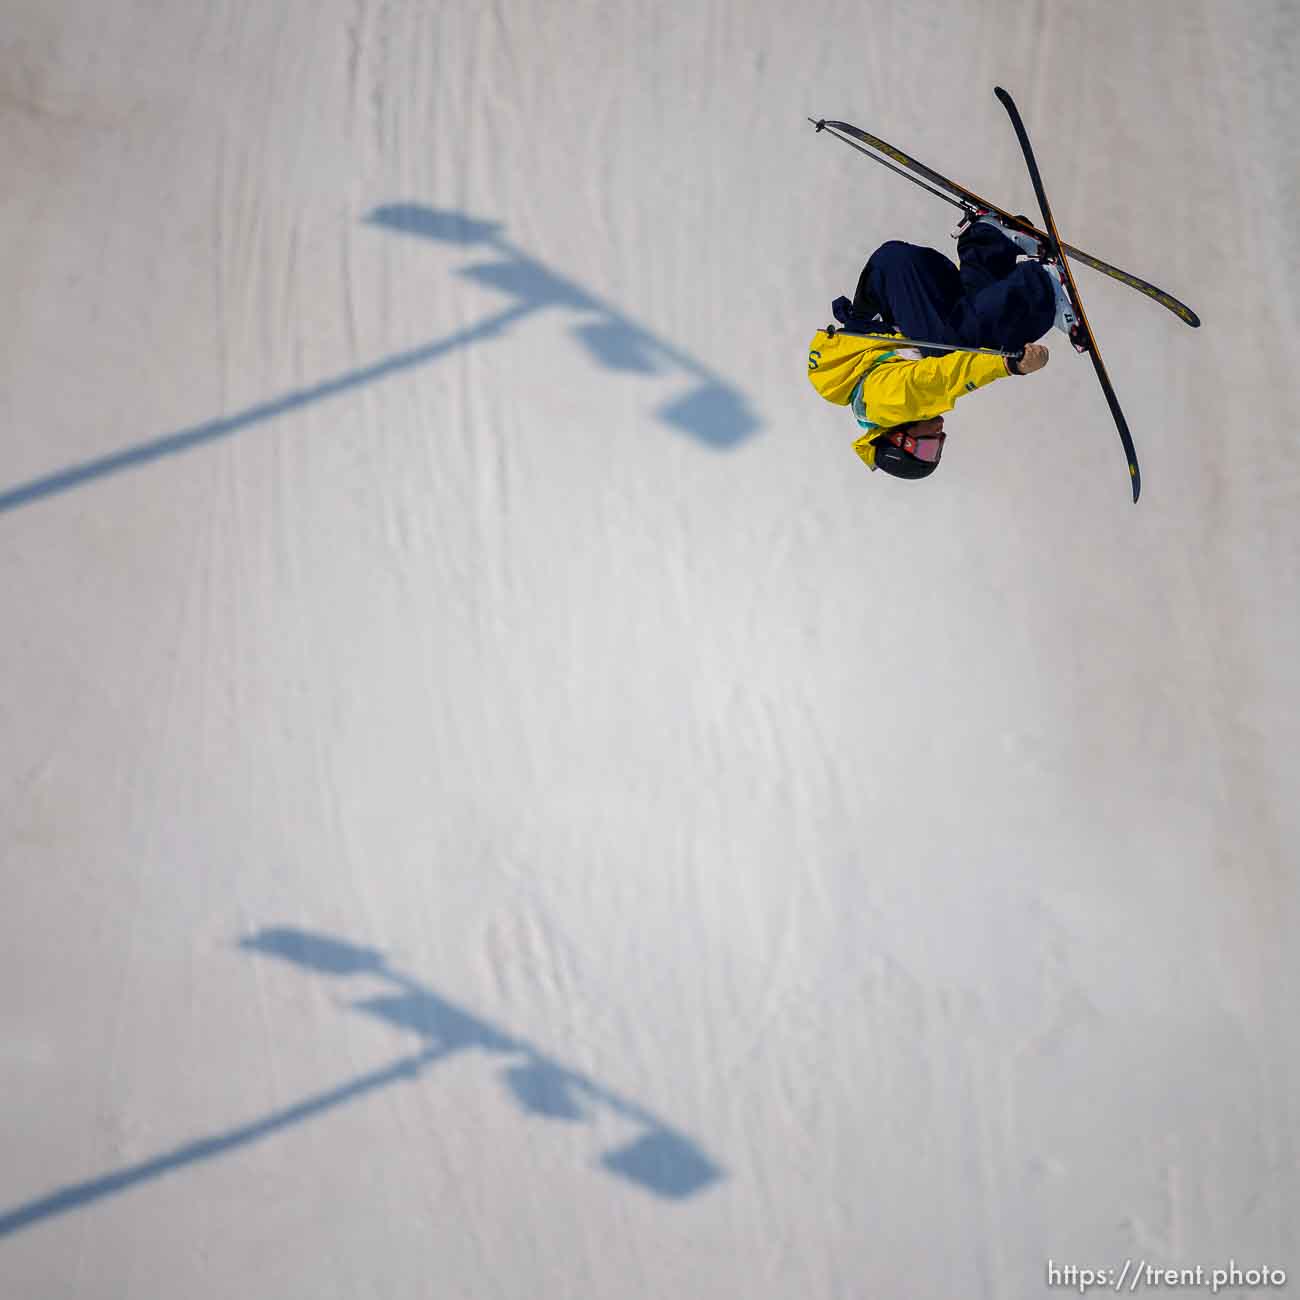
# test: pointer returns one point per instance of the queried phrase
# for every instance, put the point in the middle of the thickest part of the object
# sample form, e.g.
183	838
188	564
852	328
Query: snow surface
496	800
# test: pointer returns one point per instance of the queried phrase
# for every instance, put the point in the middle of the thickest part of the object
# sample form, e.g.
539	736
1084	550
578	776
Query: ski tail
1126	438
1144	287
958	195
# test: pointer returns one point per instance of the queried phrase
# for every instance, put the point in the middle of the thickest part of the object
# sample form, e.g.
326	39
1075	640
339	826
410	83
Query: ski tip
1137	481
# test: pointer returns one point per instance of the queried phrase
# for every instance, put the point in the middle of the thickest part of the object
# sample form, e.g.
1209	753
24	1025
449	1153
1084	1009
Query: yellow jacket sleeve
899	391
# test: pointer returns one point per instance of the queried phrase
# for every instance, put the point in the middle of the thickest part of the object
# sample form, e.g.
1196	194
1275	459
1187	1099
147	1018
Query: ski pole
1017	355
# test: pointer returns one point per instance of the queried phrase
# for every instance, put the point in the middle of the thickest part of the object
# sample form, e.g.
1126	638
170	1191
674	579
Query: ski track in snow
496	801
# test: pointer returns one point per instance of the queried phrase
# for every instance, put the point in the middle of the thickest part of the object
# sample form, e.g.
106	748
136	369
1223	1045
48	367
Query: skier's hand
1035	358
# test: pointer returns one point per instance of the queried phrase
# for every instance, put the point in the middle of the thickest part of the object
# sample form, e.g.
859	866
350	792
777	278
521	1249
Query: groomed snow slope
495	800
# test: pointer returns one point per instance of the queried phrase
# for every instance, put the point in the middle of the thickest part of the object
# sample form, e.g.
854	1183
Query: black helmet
900	454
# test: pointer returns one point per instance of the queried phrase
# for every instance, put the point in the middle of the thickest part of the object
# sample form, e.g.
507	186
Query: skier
899	394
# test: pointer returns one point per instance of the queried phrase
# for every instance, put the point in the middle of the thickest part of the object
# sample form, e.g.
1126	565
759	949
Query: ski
959	196
1058	253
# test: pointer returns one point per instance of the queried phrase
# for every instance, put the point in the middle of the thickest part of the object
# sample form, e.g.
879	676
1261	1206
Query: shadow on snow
712	411
659	1160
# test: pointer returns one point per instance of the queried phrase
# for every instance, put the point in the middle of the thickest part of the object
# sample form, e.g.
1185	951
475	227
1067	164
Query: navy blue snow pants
992	302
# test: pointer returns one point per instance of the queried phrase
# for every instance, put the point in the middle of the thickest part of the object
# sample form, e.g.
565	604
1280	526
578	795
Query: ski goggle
928	448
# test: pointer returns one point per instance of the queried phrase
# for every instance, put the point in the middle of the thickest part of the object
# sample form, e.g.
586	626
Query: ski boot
1067	319
1028	244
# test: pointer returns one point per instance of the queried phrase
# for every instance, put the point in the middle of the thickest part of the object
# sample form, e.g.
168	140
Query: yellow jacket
887	385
